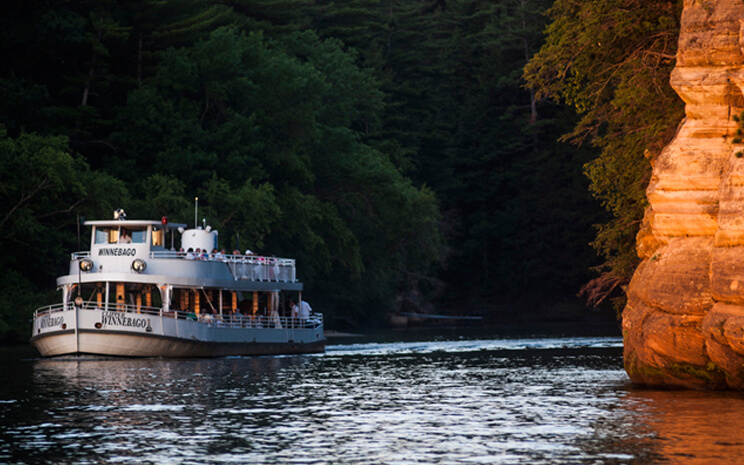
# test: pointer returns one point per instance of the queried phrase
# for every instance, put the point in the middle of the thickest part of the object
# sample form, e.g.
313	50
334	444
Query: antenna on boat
196	210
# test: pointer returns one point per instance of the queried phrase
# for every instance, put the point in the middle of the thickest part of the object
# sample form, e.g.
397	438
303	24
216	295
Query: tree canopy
393	148
611	61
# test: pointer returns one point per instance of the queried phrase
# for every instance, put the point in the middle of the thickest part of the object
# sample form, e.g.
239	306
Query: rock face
684	322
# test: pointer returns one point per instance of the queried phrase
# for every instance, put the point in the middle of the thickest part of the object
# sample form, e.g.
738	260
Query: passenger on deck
305	310
220	255
125	238
294	310
190	254
296	314
219	319
300	314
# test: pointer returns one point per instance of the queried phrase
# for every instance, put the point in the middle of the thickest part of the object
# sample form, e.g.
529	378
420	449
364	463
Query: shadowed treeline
393	149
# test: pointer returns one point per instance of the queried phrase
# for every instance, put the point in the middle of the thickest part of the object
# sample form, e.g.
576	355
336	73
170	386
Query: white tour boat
132	296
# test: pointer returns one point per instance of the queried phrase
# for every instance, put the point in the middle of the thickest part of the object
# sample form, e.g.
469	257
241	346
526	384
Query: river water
400	399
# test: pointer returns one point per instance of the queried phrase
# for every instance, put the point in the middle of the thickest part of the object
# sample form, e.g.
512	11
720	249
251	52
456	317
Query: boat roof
133	223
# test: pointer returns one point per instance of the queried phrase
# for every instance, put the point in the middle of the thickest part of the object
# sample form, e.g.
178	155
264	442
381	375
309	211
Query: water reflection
539	401
690	427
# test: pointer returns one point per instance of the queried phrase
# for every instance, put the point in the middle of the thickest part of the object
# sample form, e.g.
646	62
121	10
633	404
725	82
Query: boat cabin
138	265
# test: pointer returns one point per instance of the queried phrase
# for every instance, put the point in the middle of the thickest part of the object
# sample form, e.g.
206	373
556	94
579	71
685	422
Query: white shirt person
125	238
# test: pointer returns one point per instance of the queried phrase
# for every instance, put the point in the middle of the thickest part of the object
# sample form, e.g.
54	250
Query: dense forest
455	156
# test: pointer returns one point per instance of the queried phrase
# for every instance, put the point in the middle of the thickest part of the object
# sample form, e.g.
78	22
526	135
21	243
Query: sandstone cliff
684	322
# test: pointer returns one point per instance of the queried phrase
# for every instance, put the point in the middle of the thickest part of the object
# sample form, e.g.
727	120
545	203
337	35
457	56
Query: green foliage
162	195
247	209
611	61
269	134
390	147
468	129
42	189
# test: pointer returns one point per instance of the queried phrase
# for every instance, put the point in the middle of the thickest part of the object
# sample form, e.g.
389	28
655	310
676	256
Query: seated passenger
190	254
125	238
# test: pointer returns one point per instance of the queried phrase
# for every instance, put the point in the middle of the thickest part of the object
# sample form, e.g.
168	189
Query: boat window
101	236
112	235
107	236
139	237
158	237
130	297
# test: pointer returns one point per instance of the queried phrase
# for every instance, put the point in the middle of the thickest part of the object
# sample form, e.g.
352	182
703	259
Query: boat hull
124	334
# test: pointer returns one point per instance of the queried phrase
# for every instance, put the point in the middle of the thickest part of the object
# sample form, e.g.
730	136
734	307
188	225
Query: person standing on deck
301	313
305	311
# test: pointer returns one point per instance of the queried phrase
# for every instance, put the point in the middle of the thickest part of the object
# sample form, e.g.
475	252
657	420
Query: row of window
122	235
199	300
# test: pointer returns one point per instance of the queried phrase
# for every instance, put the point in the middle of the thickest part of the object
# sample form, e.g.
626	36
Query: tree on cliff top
611	61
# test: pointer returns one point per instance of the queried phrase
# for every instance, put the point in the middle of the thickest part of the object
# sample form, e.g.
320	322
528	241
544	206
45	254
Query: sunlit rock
723	329
663	349
684	322
675	279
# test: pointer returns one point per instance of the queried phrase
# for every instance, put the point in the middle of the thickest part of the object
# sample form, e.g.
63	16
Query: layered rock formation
684	322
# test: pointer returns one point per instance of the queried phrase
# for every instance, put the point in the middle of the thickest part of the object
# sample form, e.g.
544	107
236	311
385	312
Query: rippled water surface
446	400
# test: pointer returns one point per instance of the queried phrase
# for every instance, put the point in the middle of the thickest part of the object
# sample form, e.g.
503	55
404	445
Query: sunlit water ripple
492	401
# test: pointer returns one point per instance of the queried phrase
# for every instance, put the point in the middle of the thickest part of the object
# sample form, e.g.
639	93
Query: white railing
238	320
275	270
52	309
225	320
259	321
